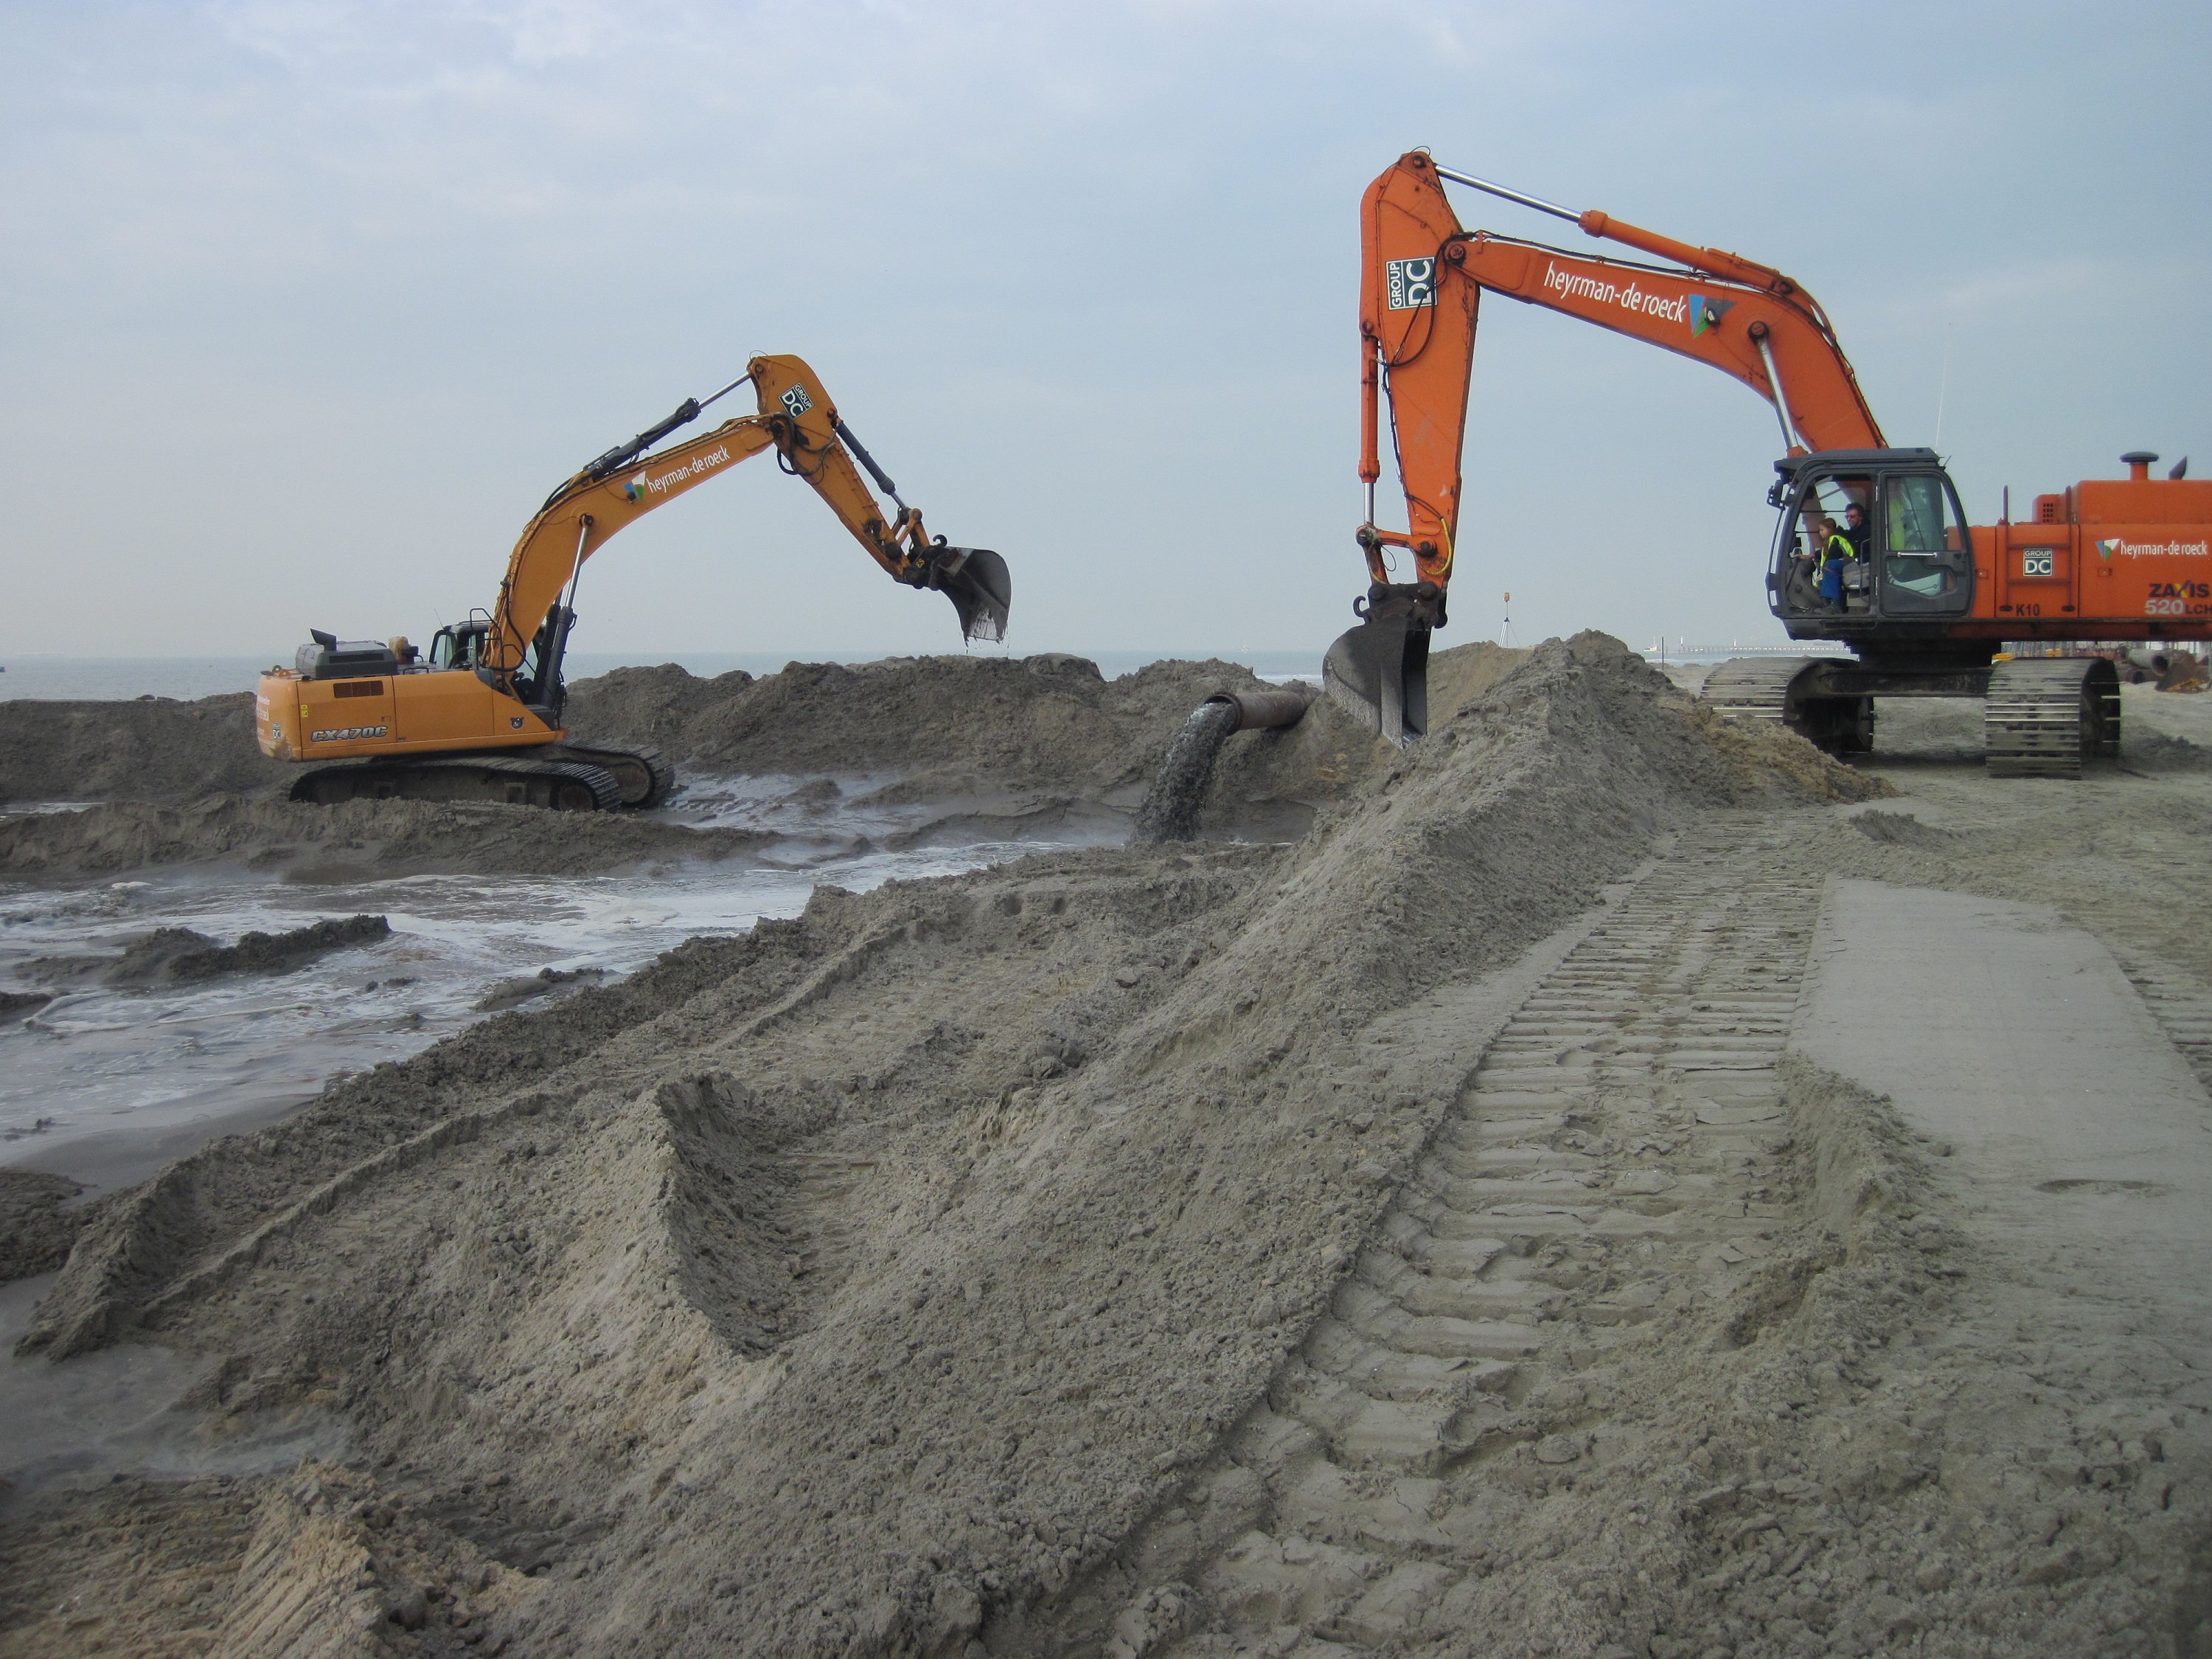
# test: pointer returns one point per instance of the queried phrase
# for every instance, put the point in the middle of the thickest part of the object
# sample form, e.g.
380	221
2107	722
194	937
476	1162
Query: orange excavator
481	719
1926	603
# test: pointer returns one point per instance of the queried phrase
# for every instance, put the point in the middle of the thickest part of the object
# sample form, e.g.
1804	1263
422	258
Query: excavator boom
796	419
1872	547
450	728
1422	276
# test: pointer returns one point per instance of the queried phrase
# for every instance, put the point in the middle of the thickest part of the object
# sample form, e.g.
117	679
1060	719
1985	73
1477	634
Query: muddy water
107	1083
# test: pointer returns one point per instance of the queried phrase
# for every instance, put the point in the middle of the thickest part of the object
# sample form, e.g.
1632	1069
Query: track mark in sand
1603	1165
2180	1004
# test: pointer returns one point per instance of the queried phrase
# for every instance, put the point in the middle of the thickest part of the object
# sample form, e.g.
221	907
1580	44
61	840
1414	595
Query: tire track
1605	1164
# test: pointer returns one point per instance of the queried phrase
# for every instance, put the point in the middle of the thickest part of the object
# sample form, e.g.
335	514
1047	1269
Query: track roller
2046	716
563	786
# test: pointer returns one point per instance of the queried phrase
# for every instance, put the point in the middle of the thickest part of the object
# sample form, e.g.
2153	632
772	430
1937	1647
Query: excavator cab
460	646
1907	556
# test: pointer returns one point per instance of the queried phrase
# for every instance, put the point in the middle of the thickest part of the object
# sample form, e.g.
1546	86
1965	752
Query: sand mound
945	726
867	1282
35	1231
20	1005
148	748
350	840
996	748
176	956
954	726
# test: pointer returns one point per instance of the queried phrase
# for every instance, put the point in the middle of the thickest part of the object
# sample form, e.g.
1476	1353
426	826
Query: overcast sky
308	303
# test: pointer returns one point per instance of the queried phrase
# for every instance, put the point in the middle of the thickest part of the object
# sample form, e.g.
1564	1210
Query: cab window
1816	572
1924	547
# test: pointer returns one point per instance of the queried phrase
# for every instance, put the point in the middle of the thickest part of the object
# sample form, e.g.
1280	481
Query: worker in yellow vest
1833	549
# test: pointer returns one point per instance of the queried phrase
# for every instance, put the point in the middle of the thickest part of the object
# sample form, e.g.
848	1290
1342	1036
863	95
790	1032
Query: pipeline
1170	811
2168	667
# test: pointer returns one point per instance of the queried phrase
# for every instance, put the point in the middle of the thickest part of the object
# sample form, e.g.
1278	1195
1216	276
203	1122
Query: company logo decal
796	402
1411	282
351	731
1574	285
647	484
2120	549
1706	314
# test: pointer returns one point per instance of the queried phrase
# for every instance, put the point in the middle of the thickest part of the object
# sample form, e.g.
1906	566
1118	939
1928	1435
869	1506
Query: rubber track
1606	1162
606	793
2031	724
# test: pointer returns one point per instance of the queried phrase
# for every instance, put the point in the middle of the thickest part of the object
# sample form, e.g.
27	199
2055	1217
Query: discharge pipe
1260	711
1170	811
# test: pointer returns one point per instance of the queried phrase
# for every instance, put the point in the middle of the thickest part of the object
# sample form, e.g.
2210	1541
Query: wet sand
1485	1224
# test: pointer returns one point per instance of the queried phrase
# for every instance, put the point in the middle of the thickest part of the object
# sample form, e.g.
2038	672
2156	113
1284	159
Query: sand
178	956
148	749
979	747
35	1231
351	841
1423	1235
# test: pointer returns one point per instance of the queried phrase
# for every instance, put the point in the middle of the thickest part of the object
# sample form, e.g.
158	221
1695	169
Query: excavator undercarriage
2043	717
566	777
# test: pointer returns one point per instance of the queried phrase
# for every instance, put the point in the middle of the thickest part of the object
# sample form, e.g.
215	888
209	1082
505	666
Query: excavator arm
1422	276
797	420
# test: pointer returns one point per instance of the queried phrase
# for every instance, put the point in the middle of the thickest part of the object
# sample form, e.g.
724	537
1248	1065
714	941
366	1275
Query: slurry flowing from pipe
1170	811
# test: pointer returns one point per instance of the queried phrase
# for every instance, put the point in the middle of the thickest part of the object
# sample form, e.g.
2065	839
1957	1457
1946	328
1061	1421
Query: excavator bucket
1379	671
980	588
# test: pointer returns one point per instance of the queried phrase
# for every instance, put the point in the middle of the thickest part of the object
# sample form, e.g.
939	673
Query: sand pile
35	1231
984	747
351	841
178	956
867	1283
995	727
147	749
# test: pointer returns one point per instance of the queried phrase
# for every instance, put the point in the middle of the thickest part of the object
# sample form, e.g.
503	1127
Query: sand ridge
1416	1237
975	747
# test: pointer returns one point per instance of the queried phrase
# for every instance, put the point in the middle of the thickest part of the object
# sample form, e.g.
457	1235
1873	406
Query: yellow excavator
480	720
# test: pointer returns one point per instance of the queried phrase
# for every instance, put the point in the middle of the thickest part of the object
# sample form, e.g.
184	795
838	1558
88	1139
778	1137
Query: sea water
106	1083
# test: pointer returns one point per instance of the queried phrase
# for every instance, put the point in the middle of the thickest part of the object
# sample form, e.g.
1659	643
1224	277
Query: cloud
1083	275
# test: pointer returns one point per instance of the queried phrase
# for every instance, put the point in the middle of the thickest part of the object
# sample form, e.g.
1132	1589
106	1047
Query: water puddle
105	1083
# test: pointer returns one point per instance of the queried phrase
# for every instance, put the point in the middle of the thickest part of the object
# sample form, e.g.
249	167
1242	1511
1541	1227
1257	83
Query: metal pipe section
1258	711
1535	202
